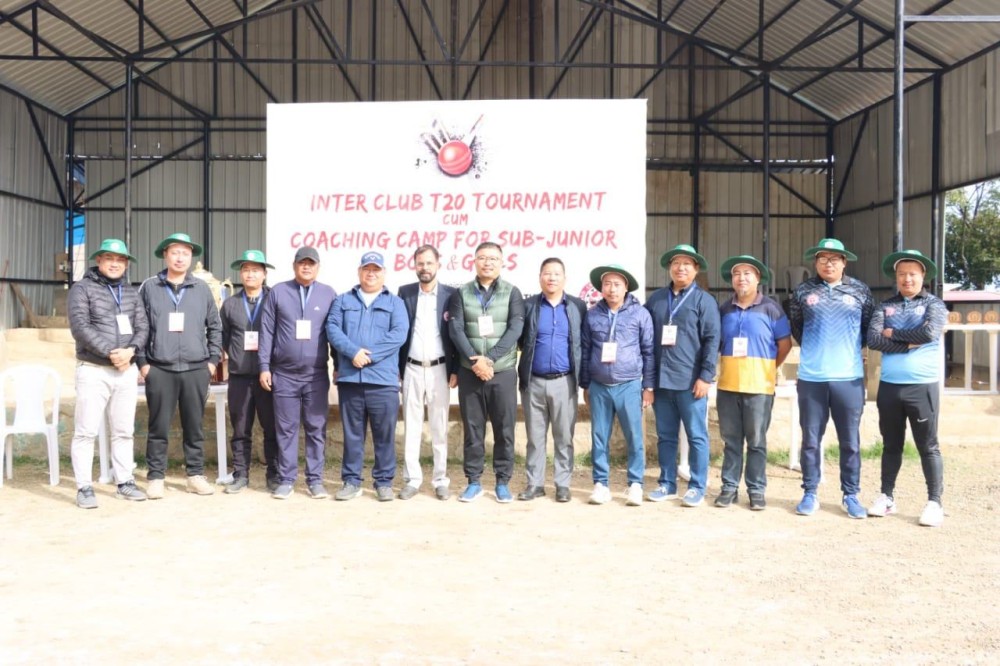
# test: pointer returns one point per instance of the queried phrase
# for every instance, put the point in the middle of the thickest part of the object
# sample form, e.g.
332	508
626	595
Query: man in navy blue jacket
616	374
686	332
366	327
428	365
293	357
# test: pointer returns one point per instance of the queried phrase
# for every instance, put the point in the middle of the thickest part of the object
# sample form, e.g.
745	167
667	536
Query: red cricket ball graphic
454	154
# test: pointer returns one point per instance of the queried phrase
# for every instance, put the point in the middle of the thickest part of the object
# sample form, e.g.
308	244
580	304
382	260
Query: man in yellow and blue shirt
756	338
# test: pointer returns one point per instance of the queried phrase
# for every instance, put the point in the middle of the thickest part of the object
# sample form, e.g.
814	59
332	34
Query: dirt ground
248	580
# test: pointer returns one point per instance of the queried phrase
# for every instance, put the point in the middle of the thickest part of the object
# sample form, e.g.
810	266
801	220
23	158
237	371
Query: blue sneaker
808	505
472	492
692	498
853	507
662	492
503	493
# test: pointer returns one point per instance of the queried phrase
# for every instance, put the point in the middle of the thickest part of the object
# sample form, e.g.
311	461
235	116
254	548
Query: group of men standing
431	337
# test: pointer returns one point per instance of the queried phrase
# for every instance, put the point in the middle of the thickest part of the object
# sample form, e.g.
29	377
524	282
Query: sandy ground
249	580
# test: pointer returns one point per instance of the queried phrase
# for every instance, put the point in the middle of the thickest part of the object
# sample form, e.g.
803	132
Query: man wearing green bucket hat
907	329
109	324
240	314
184	348
686	346
829	314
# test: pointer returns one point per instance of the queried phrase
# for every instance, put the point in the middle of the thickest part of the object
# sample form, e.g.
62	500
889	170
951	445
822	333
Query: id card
250	341
303	329
175	324
486	325
124	325
740	346
609	350
669	337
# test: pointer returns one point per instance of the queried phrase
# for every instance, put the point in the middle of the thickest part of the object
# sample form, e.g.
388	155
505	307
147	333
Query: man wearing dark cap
487	315
366	327
241	322
184	348
756	338
907	330
829	315
293	359
617	376
109	325
686	345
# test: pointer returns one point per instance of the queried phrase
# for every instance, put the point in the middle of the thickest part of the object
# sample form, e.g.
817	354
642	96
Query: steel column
897	129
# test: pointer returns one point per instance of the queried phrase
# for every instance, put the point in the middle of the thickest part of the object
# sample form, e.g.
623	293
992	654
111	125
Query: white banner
554	178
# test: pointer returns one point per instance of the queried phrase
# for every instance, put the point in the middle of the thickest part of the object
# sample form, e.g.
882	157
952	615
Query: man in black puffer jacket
109	325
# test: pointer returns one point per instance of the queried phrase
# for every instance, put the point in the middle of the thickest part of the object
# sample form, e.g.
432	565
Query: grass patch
832	453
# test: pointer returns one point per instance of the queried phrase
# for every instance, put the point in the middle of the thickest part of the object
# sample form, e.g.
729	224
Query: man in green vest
486	317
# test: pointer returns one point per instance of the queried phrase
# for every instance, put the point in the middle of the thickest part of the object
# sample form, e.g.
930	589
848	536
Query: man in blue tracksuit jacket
294	356
366	327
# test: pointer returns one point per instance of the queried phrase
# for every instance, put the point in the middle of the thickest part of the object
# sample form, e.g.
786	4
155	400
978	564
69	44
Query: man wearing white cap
366	327
907	330
109	325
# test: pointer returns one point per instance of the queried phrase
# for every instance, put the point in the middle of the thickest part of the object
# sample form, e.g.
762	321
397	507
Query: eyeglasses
483	259
830	259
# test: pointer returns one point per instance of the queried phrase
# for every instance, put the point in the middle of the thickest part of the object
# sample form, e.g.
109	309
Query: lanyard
670	303
304	293
479	297
118	297
613	317
175	298
256	307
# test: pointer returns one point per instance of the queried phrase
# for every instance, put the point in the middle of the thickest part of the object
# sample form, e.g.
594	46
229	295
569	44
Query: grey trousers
545	402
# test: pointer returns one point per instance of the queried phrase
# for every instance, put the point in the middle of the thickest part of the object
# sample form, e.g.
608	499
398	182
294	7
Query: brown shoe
199	485
154	489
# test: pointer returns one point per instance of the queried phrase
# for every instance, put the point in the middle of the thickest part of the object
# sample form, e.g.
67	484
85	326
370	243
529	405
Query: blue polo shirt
762	323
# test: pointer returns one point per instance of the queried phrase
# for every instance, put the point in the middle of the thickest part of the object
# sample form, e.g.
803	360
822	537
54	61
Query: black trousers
917	403
247	400
495	400
165	392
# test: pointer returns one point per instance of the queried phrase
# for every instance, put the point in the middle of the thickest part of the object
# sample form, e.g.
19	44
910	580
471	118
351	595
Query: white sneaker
933	515
601	494
633	497
882	506
154	489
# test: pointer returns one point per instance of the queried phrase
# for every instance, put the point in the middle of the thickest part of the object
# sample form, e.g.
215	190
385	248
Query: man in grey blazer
428	367
548	374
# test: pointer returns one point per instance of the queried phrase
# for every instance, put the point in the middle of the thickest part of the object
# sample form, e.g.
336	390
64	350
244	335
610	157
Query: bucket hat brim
112	246
890	261
182	239
683	250
831	245
598	274
727	267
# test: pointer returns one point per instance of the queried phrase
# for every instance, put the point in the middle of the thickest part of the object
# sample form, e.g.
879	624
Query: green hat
253	256
598	274
177	238
831	245
889	263
685	250
727	267
113	246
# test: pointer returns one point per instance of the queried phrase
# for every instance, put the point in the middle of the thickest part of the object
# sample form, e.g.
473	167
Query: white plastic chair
32	386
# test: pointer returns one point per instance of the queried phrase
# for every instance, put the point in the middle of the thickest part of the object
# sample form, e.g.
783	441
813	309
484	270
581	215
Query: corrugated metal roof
728	25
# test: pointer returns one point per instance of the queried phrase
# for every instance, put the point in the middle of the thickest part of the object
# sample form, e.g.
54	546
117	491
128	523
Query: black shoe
272	484
530	493
562	494
727	497
757	502
238	484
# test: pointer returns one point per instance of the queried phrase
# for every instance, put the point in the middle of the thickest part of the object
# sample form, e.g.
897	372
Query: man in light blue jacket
366	327
617	374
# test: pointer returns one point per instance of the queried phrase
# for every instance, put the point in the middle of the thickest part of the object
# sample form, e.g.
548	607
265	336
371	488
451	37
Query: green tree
972	236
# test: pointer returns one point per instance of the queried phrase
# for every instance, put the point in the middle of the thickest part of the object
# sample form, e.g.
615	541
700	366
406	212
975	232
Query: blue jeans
377	407
845	401
744	416
625	400
673	408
